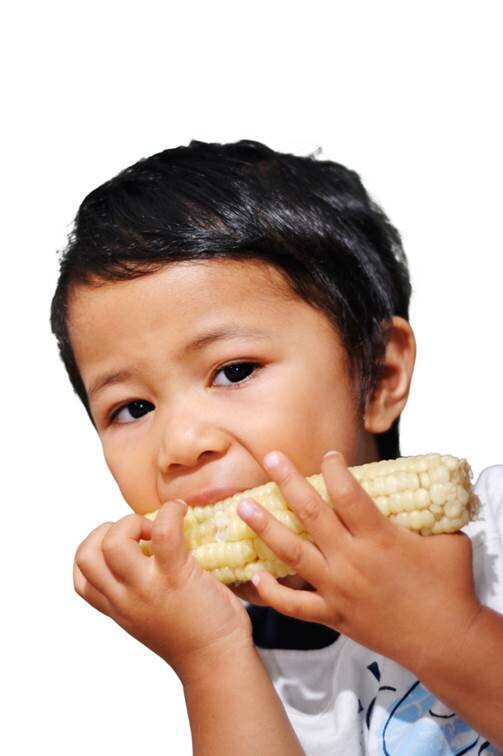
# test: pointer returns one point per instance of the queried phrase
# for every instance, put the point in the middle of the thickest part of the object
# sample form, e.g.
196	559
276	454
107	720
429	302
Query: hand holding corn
429	494
166	602
406	597
381	585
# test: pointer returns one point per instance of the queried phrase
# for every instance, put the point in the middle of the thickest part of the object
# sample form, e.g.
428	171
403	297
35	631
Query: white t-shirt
344	700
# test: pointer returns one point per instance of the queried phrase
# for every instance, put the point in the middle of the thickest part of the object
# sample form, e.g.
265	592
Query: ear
392	389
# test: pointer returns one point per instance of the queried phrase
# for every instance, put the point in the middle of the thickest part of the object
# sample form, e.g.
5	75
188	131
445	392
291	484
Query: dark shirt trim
274	630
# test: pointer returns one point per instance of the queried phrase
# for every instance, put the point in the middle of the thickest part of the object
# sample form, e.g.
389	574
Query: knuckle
112	544
264	523
78	583
85	552
310	510
286	476
346	490
97	532
78	553
130	519
84	559
386	541
388	536
161	531
337	620
294	553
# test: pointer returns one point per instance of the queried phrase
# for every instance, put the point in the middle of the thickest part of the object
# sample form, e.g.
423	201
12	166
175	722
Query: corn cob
428	494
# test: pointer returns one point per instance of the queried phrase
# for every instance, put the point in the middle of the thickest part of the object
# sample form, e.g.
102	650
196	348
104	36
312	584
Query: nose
189	438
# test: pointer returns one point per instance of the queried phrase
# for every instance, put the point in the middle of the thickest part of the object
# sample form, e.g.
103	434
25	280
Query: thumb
168	543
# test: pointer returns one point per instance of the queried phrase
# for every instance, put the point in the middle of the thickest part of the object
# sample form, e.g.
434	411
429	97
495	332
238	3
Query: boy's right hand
166	601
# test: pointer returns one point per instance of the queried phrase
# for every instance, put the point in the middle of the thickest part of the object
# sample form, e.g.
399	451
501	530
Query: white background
408	94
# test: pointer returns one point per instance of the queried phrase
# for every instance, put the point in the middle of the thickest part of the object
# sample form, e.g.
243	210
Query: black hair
312	219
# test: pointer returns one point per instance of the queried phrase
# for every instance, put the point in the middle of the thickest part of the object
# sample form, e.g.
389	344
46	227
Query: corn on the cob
428	494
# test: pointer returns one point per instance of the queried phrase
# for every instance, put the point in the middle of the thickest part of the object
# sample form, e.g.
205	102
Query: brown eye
136	409
237	372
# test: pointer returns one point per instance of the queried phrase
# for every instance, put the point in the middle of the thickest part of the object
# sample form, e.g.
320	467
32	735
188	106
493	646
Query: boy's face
220	363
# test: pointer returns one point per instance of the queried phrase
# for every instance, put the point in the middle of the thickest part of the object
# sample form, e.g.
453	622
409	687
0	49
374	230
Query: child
230	315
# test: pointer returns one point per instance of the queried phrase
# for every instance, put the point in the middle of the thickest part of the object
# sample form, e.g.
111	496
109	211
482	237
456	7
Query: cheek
305	423
129	472
291	424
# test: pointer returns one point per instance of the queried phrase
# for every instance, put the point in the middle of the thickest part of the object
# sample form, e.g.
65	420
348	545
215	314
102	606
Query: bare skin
179	424
194	623
360	563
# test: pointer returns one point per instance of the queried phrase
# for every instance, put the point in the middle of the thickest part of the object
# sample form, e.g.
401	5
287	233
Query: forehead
181	293
166	309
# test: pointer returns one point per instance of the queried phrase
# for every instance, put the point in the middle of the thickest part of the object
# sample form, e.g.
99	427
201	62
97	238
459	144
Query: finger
316	516
121	549
91	562
168	543
304	605
351	503
248	592
89	593
297	553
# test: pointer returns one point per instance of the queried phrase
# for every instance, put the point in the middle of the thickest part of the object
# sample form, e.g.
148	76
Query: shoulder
489	485
489	489
486	535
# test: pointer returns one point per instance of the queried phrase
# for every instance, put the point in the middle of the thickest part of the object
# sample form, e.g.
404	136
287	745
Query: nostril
190	444
177	465
205	454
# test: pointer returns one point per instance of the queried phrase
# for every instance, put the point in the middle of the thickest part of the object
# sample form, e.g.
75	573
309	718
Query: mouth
211	495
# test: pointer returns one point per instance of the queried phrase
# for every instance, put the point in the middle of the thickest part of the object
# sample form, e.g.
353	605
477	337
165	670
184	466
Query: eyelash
254	365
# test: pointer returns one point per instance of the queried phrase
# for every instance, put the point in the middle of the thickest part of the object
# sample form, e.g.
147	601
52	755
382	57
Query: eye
136	409
237	372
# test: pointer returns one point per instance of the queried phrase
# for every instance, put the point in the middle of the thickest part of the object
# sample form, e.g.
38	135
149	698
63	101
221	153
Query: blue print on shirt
414	728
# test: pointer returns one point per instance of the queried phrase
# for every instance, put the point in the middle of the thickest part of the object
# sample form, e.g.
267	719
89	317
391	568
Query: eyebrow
222	334
108	379
218	334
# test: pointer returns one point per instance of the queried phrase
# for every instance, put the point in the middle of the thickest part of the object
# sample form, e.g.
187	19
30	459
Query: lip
211	495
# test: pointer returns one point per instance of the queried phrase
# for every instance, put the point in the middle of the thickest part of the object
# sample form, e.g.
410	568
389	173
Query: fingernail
255	579
248	509
331	453
272	459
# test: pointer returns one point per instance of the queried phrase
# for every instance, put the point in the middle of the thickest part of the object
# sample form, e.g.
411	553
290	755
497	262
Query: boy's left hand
390	589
